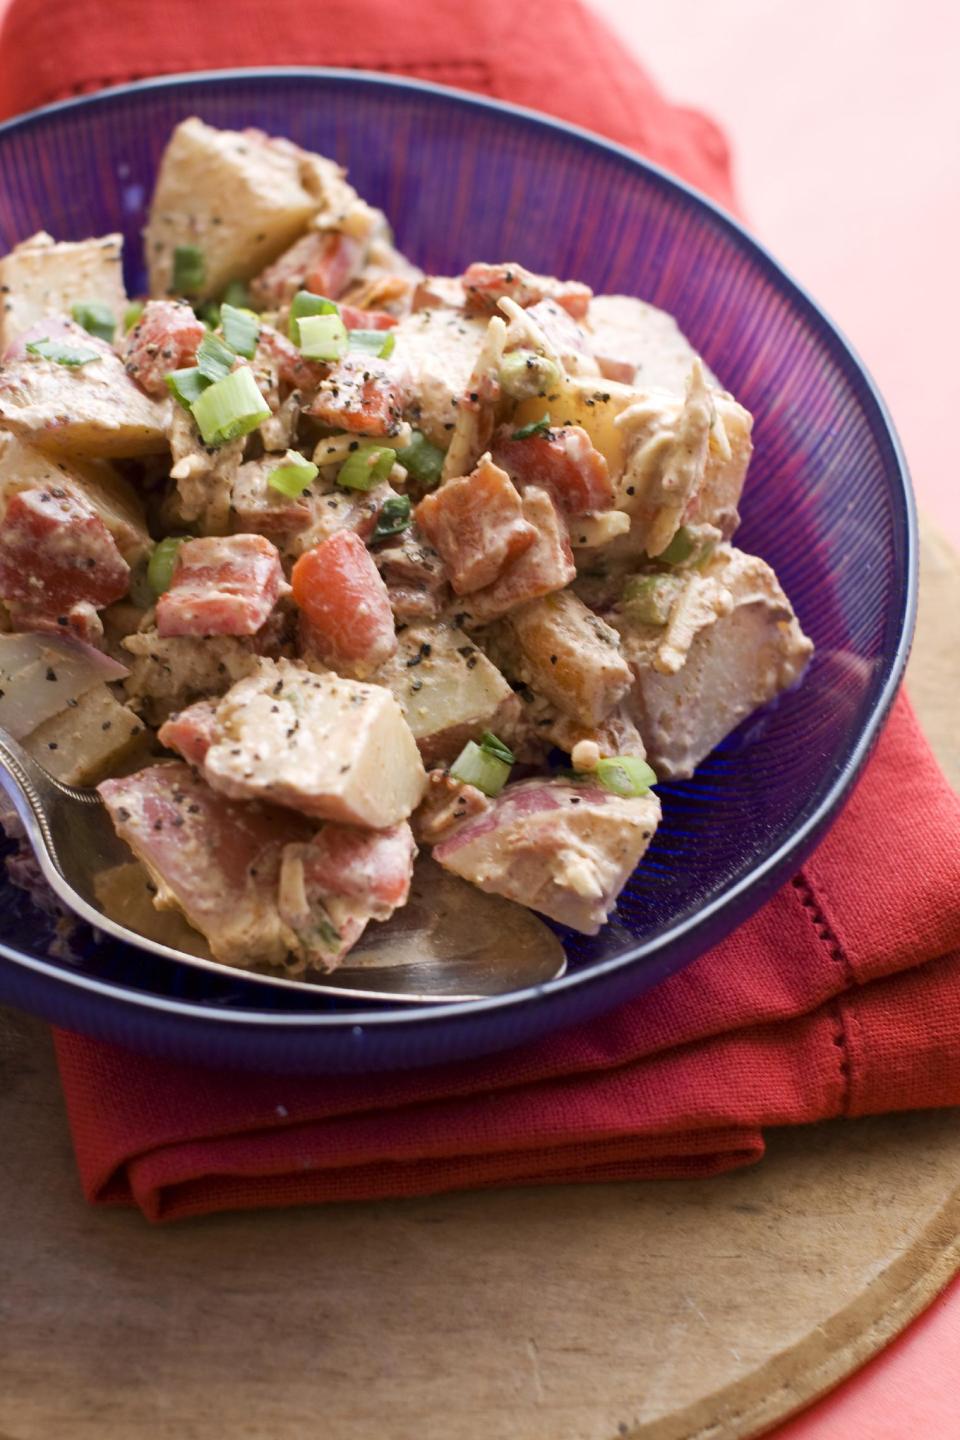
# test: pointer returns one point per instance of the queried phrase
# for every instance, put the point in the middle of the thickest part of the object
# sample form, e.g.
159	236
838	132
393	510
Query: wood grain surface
668	1311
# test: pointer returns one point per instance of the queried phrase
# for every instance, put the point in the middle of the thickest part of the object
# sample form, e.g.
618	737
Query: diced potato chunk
39	278
238	197
448	690
94	411
88	740
645	343
167	673
441	347
570	655
730	644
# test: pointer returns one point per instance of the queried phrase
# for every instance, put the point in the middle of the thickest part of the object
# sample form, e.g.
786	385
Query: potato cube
88	740
570	655
94	411
40	277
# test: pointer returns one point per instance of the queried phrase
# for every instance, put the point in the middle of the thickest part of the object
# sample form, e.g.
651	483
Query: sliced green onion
422	460
293	478
72	355
209	314
238	295
476	766
372	342
536	427
241	329
323	337
96	318
162	563
393	518
230	408
650	598
187	385
366	466
189	269
681	547
214	359
304	304
132	314
524	373
493	745
625	775
329	934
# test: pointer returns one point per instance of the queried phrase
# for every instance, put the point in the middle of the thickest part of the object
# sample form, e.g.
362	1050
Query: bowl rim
747	894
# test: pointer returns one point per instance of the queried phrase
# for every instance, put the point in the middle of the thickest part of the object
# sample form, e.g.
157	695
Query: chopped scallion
366	466
72	355
238	295
681	547
421	460
393	518
293	478
625	775
241	329
536	427
304	304
524	373
132	314
187	386
493	745
215	360
322	337
476	766
372	342
650	598
209	314
162	562
329	934
189	269
96	318
229	408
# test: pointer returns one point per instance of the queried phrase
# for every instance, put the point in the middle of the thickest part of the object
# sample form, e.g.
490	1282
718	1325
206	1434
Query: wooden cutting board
668	1311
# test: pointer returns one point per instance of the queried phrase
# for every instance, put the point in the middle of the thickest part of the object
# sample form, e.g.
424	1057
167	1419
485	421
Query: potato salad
310	560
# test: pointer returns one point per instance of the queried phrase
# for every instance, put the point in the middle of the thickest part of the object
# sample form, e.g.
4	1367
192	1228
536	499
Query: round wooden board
668	1311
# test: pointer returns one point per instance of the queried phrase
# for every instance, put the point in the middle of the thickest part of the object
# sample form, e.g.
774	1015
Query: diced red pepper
545	567
361	393
347	619
484	285
564	462
222	585
477	526
191	732
56	553
165	338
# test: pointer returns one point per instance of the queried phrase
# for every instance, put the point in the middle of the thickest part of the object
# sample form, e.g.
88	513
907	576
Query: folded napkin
841	997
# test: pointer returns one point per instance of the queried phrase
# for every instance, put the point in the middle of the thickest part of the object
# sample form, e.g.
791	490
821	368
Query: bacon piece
565	463
546	566
362	393
165	338
322	261
477	525
56	554
486	284
222	585
191	732
414	576
282	356
356	319
347	619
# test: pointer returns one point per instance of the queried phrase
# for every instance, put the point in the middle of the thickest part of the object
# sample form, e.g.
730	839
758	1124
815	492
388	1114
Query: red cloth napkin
841	997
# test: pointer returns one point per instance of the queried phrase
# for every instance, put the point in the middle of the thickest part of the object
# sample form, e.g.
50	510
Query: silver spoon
451	942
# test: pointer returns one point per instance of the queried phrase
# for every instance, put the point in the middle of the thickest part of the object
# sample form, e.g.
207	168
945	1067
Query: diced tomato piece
545	567
564	462
486	284
362	393
346	609
222	585
191	732
322	261
356	319
56	553
476	524
284	357
165	338
371	865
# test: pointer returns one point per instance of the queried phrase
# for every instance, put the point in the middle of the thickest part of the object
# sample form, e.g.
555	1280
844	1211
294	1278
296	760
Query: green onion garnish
493	745
209	314
304	304
96	318
524	373
72	355
366	466
650	598
372	342
189	269
394	516
214	359
241	330
132	314
329	934
187	385
293	478
322	337
536	427
238	295
422	460
477	766
681	547
162	562
229	408
625	775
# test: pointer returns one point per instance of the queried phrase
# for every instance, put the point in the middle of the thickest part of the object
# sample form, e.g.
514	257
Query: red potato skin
191	732
165	338
346	619
476	525
371	865
565	463
222	585
57	554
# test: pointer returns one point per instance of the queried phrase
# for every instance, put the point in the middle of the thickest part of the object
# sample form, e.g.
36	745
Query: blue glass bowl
827	503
